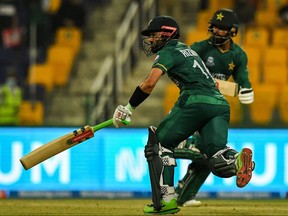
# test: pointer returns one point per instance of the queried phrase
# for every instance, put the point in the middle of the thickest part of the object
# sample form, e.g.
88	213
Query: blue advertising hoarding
114	161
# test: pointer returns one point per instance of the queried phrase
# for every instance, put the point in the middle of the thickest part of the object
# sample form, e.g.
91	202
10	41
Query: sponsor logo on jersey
210	61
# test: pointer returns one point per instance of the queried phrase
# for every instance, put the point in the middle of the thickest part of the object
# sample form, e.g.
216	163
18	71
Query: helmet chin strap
219	40
222	46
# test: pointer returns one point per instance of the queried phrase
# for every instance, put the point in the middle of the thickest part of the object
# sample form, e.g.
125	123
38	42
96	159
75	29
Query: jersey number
204	70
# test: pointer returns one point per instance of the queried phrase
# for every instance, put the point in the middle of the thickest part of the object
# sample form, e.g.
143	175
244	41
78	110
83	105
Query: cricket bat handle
60	144
102	125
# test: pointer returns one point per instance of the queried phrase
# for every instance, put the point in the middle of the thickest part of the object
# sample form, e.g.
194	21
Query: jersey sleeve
163	61
241	74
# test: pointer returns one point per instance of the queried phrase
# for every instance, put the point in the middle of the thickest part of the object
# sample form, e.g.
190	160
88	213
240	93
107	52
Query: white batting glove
122	115
246	95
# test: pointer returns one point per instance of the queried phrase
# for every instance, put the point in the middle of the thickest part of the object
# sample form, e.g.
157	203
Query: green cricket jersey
187	70
200	106
222	65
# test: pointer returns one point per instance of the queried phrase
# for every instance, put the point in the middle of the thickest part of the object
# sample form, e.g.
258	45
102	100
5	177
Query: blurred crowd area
38	36
39	40
32	24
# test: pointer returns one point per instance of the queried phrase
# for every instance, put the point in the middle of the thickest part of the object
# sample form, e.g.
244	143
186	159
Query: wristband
137	97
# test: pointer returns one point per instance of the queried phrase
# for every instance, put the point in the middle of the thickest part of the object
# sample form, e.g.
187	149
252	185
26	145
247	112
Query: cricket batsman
224	59
200	107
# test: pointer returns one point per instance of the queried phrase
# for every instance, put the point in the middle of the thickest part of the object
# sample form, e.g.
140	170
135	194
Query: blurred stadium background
73	74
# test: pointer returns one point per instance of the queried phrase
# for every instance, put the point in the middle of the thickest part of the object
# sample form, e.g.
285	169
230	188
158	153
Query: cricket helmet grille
168	29
223	19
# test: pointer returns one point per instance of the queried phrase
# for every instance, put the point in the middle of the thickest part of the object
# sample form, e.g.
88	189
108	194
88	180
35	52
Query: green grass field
134	207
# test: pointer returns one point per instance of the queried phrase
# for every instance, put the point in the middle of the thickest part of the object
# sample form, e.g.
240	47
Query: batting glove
122	115
246	95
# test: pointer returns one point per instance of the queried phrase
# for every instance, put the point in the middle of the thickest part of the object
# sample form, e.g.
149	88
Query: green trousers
211	120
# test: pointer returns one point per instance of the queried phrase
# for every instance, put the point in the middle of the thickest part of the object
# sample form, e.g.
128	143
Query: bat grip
102	125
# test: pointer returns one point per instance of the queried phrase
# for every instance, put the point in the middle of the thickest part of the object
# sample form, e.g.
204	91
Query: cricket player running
200	107
223	58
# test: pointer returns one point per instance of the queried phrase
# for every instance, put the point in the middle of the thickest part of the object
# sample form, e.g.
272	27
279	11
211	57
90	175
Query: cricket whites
60	144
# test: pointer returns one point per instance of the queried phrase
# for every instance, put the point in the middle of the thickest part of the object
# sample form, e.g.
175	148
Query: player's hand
246	95
122	115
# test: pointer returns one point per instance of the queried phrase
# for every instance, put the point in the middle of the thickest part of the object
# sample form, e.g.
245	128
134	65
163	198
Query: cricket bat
227	88
60	144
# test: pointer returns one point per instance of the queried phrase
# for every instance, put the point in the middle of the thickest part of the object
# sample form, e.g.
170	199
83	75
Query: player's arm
122	114
150	82
246	93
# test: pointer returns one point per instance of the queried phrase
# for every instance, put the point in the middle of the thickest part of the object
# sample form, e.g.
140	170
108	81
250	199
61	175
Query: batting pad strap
193	155
220	152
166	189
168	161
222	167
138	97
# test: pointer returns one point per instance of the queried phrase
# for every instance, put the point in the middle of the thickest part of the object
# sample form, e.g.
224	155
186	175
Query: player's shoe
170	207
192	203
245	166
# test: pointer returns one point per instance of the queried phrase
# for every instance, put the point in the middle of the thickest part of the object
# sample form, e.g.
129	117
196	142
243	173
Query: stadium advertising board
113	161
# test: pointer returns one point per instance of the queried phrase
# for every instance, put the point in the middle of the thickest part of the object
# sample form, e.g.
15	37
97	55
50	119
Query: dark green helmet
157	24
168	28
224	19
